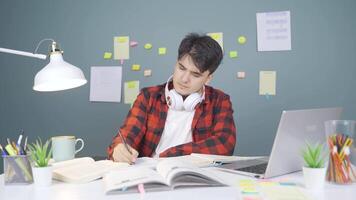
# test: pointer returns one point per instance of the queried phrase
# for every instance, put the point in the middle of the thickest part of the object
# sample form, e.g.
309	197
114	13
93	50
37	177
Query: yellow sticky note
268	183
107	55
267	83
131	84
136	67
218	36
233	54
148	46
122	39
241	39
162	51
215	36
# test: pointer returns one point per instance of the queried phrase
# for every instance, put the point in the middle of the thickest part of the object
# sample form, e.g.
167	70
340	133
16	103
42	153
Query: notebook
295	127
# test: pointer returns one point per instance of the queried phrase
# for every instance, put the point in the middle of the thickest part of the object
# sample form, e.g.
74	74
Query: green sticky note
233	54
107	55
241	39
148	46
162	51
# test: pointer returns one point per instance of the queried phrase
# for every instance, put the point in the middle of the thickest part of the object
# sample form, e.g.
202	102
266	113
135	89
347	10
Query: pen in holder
17	169
339	140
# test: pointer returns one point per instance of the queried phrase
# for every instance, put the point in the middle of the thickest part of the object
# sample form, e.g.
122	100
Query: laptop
295	127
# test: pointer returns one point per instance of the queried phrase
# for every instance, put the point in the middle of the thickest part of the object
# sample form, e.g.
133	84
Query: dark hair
205	52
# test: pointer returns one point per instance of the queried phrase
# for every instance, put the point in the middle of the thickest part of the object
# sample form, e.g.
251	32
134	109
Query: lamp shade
58	75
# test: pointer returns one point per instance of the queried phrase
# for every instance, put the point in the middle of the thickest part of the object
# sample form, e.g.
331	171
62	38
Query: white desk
94	191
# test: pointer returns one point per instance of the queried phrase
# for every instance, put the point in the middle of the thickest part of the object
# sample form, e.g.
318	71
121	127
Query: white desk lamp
58	74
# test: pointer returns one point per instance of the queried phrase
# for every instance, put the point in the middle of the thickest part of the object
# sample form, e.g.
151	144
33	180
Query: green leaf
40	152
313	156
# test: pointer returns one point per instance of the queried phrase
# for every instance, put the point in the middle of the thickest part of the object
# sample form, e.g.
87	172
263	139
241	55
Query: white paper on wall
273	31
105	83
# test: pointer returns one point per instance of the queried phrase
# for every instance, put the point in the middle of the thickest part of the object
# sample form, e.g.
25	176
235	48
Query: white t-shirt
177	130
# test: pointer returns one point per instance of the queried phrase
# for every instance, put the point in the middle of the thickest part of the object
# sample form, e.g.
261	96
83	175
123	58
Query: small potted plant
40	155
314	170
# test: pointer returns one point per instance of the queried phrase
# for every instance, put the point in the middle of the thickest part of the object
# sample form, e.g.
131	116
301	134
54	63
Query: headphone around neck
175	101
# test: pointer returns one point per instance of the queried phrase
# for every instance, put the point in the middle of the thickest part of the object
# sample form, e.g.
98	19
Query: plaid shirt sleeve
134	125
221	137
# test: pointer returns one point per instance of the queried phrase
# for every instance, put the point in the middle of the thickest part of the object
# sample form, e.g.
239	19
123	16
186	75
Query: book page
178	173
201	159
85	171
75	161
147	162
126	179
165	167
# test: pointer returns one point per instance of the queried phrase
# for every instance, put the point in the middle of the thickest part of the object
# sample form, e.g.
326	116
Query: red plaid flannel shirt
213	127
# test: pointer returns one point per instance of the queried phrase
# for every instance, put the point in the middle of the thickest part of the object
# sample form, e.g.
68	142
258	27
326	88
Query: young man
183	115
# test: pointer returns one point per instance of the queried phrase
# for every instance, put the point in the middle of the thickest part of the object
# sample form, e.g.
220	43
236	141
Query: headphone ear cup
176	100
191	101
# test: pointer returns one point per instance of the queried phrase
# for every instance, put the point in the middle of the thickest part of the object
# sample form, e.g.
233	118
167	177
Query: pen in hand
124	141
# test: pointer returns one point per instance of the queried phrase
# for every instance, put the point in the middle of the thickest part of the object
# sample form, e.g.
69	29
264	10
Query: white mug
63	147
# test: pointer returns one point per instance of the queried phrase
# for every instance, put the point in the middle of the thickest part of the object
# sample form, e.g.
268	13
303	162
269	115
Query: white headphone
175	100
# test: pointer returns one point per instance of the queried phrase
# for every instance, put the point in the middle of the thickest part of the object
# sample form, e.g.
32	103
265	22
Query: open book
196	159
169	174
83	170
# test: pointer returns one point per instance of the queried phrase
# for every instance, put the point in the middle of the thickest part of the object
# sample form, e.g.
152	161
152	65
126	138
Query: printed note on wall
273	31
105	83
267	83
122	48
131	90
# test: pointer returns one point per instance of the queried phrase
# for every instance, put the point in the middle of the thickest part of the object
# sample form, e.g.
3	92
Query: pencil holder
339	135
17	170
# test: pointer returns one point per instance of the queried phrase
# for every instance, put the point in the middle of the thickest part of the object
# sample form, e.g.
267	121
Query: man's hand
121	154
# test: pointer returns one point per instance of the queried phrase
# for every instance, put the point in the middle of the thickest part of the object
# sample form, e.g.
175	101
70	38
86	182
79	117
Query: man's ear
210	77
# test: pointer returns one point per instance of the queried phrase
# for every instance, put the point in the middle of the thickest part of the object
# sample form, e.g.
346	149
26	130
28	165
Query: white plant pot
314	178
42	176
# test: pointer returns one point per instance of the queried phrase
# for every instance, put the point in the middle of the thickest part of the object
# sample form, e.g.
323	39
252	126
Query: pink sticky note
141	188
133	43
121	61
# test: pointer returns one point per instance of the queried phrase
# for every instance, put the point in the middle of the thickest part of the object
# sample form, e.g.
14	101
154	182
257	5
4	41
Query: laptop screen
294	129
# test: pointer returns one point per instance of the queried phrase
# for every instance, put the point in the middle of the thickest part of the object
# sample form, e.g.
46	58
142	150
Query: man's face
187	78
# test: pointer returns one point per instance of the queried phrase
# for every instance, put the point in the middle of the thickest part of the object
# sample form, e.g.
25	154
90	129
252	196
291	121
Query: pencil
125	143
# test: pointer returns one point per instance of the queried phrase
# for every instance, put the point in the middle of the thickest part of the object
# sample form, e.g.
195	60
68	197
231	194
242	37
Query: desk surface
94	190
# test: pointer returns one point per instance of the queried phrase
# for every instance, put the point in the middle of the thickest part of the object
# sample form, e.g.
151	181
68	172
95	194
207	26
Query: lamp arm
23	53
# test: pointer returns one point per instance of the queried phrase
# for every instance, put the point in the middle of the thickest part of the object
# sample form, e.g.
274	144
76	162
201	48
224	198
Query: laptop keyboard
256	169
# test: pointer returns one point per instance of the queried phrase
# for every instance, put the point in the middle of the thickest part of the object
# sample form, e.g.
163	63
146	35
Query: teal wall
319	71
